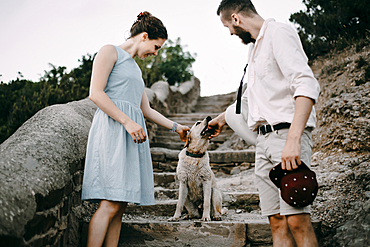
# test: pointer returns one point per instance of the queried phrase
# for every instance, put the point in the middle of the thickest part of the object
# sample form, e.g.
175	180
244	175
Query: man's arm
291	155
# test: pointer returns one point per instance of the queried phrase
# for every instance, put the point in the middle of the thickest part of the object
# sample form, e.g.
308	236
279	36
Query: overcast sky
35	33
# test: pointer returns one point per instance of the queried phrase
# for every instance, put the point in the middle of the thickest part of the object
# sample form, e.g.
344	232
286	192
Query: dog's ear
187	139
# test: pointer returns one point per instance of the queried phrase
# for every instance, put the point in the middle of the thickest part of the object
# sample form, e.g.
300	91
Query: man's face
244	35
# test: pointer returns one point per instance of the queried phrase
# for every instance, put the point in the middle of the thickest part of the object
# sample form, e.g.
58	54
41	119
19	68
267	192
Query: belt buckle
263	130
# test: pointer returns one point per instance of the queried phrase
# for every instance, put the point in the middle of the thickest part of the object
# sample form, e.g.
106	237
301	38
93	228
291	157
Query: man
281	91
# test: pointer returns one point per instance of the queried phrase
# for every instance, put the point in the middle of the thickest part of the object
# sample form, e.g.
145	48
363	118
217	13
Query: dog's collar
194	155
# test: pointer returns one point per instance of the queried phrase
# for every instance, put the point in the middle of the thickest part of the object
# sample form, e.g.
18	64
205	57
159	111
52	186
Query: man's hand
216	125
291	155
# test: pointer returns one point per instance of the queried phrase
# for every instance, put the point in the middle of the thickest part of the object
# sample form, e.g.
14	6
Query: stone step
186	122
178	145
161	208
226	132
245	179
170	137
231	97
211	108
160	154
168	207
168	145
216	106
247	201
238	230
192	116
163	194
212	100
232	200
162	179
242	180
245	229
168	166
220	102
223	168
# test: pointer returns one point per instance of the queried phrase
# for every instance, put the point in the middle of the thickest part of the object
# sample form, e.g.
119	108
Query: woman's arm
102	67
158	118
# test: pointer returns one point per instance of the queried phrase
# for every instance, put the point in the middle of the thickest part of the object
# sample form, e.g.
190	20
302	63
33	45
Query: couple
281	92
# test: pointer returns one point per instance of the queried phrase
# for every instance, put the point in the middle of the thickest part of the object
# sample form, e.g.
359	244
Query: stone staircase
206	106
243	224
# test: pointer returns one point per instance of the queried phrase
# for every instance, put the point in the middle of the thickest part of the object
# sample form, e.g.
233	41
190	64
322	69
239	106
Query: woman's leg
100	221
114	228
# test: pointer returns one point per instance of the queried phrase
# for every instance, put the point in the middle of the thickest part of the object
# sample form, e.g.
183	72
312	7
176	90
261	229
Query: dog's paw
190	217
172	219
216	218
205	218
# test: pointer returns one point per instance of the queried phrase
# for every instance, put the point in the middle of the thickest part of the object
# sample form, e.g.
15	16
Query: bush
171	64
336	24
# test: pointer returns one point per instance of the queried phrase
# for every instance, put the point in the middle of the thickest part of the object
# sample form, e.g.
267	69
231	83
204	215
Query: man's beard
243	35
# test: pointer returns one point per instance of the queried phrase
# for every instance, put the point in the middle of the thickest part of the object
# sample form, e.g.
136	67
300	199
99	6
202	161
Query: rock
235	170
367	194
161	90
341	151
38	163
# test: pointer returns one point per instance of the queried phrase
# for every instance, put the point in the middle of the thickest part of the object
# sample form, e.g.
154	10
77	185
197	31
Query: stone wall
42	168
41	173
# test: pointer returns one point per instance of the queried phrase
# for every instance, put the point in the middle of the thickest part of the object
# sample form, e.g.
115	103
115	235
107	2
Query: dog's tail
221	211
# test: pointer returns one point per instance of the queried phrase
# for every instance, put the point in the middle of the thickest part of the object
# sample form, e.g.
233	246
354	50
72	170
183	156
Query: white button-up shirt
278	72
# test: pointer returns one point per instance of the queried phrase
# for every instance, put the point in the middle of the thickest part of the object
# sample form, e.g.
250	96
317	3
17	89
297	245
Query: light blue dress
116	168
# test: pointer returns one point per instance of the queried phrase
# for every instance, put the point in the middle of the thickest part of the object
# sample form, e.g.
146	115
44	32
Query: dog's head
197	140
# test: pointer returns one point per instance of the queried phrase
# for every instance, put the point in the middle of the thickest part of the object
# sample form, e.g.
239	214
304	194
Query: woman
118	166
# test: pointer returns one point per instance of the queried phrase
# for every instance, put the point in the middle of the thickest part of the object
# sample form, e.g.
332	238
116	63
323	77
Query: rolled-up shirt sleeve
293	63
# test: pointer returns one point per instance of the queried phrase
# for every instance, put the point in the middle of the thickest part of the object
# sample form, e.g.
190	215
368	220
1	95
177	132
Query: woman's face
149	47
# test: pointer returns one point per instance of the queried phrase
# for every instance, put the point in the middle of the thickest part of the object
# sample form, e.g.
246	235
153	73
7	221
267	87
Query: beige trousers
269	148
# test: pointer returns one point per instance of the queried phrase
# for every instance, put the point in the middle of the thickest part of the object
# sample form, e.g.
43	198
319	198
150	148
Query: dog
197	182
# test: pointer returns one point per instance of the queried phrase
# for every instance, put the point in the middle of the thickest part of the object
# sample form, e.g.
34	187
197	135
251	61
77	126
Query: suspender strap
239	97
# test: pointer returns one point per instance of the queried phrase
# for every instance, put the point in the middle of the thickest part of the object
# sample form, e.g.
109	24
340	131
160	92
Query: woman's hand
136	131
182	131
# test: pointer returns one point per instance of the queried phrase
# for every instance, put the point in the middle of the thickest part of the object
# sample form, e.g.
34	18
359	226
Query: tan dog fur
197	182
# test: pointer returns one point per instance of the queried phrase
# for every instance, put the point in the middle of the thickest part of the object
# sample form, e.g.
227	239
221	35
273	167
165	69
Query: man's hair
227	7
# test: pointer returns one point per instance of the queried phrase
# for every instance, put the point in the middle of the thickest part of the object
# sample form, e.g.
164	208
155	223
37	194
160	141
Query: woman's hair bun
145	22
142	15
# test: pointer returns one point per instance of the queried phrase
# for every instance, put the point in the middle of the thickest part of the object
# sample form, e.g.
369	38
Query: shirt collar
263	28
259	37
